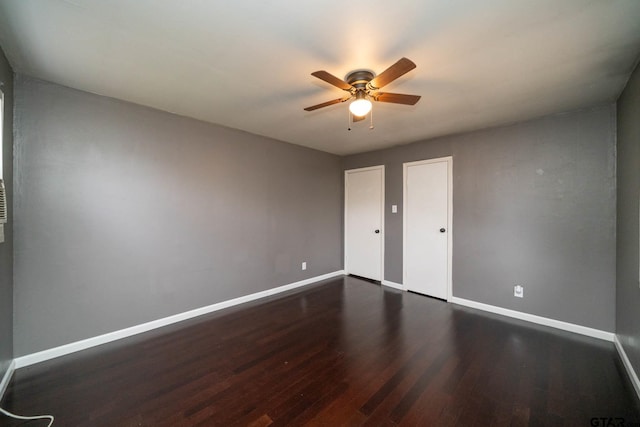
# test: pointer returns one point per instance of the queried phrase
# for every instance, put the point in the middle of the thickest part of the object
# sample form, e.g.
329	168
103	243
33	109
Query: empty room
278	213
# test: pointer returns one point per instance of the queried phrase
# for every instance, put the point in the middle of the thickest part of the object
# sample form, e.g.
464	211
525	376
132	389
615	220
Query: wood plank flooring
342	352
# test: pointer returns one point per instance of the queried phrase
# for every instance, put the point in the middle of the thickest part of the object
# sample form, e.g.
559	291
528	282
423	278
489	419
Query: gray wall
627	290
6	248
126	214
533	204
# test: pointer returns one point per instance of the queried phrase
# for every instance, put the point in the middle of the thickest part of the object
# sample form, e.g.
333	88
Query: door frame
382	225
405	167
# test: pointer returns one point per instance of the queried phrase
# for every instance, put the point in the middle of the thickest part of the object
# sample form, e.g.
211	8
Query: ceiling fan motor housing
359	79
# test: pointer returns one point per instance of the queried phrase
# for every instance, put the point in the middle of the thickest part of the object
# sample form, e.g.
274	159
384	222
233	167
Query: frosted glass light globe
360	107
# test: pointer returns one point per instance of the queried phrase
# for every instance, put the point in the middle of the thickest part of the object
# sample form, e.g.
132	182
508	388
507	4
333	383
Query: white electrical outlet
394	208
304	265
518	291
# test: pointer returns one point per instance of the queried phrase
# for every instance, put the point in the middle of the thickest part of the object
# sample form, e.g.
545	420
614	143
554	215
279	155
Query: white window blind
3	194
3	203
1	128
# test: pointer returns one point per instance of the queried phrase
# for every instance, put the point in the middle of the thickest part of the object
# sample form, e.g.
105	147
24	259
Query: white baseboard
6	378
628	366
393	285
558	324
62	350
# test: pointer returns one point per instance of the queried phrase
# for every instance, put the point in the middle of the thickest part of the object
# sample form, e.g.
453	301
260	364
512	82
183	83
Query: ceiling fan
363	85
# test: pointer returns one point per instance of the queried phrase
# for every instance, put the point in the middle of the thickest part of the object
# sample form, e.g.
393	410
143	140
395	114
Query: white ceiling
247	63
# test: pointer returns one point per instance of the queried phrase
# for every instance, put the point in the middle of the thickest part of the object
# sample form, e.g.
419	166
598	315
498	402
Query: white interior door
364	210
427	227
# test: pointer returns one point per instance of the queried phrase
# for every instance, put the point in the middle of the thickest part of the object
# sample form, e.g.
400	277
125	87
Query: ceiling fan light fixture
362	86
360	106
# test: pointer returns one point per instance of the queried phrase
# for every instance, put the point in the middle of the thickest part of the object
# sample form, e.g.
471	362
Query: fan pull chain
348	120
371	126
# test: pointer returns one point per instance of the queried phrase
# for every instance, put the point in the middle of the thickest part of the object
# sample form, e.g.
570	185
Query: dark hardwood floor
343	352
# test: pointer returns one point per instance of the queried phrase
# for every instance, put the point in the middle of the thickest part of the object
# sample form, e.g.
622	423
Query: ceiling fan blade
398	69
357	118
331	79
326	104
396	98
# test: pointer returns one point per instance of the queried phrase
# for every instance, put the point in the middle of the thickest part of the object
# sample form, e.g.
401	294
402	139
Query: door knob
377	231
442	230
